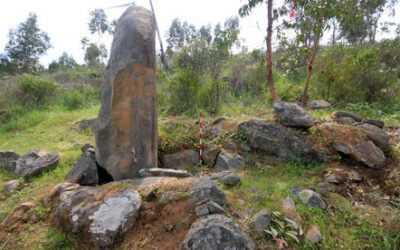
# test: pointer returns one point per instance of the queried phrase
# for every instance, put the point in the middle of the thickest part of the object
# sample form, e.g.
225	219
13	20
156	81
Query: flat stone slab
164	172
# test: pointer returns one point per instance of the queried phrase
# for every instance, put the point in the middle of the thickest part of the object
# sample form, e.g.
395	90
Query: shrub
74	99
35	91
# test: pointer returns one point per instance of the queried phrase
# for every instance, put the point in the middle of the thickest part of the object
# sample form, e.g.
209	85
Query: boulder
164	172
220	127
377	135
229	161
184	160
313	235
210	155
216	232
126	127
7	156
345	120
12	186
351	115
245	147
365	152
227	178
207	208
290	209
281	142
34	163
320	104
96	217
205	188
380	124
309	198
260	222
292	115
87	124
84	171
339	176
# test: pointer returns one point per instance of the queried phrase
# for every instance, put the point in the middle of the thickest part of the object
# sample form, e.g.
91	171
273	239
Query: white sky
66	22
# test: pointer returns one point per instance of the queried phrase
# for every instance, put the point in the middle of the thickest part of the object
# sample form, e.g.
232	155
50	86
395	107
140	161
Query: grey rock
320	104
377	135
7	156
87	124
293	115
114	217
309	198
354	116
396	191
366	153
231	145
227	178
164	172
12	186
245	147
345	120
84	170
281	142
209	208
228	161
205	188
290	209
34	163
210	155
313	235
146	181
216	232
380	124
183	160
126	127
260	222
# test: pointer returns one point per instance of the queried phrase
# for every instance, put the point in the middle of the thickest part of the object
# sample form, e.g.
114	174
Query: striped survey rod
201	138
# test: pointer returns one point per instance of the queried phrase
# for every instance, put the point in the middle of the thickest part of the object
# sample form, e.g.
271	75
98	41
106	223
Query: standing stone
126	128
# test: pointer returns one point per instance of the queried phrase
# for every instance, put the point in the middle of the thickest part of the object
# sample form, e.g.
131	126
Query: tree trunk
310	65
271	85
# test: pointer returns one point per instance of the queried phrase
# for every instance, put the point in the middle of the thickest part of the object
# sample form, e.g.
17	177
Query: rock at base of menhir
7	156
33	163
208	207
365	152
229	161
281	142
292	115
216	232
320	104
164	172
309	198
205	188
84	171
184	160
126	127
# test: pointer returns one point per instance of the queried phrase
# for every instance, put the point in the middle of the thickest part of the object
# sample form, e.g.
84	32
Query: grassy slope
58	130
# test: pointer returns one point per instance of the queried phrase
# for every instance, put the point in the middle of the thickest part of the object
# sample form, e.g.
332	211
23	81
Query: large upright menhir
126	129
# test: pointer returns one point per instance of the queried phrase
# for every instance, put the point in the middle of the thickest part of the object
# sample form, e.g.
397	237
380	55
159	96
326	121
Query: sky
66	22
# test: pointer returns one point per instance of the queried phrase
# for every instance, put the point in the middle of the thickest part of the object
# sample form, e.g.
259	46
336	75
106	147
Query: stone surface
34	163
12	186
245	147
216	232
87	124
345	120
260	222
210	155
229	161
365	152
227	178
164	172
220	127
7	156
377	135
290	209
281	142
84	171
209	208
205	188
319	104
126	127
96	217
396	191
309	198
380	124
183	160
293	115
354	116
339	176
313	235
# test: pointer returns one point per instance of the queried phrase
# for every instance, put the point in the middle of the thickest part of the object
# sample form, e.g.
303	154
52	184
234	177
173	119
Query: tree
95	55
244	11
65	61
26	44
98	22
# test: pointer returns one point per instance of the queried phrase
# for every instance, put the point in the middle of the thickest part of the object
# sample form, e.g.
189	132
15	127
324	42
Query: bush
74	99
35	91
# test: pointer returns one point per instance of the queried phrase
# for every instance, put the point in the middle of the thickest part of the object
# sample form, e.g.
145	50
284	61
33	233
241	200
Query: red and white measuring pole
201	138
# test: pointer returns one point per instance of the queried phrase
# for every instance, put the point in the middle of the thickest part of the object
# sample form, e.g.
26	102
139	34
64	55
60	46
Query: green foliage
35	91
56	240
74	99
26	44
283	229
98	22
94	55
65	61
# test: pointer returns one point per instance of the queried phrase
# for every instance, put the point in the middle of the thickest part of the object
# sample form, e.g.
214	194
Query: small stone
319	104
202	210
378	123
205	188
377	135
313	235
290	209
245	147
7	156
209	208
164	172
260	222
12	186
228	160
354	116
309	198
345	120
227	178
354	176
293	115
210	155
